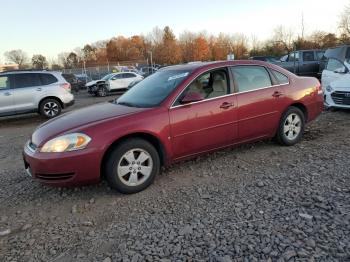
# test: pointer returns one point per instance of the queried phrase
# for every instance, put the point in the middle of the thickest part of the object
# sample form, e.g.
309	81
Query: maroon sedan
177	113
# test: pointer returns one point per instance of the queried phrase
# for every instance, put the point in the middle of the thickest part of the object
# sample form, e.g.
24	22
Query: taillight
67	87
319	89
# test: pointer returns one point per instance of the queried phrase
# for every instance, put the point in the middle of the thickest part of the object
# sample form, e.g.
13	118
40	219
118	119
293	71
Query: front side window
320	55
152	91
281	78
27	80
293	57
209	85
4	82
308	56
107	77
249	78
335	65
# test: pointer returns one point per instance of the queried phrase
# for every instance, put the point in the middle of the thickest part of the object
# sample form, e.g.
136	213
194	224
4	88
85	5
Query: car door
26	90
207	124
334	70
128	78
115	82
258	101
7	105
309	65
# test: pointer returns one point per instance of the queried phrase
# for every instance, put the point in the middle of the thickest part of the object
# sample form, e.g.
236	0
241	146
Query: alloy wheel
51	109
292	126
134	167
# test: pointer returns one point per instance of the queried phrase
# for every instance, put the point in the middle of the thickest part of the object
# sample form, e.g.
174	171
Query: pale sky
50	27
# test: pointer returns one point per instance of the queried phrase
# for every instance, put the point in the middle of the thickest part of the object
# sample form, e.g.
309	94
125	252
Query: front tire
102	91
50	108
291	127
132	166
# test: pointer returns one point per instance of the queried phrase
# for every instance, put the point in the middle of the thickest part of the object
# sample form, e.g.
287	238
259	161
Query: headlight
329	89
70	142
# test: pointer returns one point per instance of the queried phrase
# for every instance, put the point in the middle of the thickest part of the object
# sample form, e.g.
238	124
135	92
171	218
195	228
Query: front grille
341	98
54	177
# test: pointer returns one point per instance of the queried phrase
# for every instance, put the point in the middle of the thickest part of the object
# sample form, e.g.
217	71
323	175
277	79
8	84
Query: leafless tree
285	36
16	56
344	23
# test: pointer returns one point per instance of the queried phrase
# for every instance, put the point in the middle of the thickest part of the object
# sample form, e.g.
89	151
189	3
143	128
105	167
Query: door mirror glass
191	97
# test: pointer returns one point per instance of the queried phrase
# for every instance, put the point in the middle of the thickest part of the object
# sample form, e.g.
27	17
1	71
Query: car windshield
106	77
152	91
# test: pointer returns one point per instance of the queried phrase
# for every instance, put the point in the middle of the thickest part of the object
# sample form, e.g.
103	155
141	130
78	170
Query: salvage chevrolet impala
175	114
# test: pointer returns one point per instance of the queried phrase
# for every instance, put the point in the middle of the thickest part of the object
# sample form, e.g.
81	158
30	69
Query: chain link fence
98	71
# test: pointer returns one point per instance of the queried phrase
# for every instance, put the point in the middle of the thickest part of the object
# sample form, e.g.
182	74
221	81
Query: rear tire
50	108
132	166
291	127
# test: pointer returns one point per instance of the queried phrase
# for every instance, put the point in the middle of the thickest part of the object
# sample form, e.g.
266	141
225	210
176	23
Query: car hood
342	83
91	83
79	119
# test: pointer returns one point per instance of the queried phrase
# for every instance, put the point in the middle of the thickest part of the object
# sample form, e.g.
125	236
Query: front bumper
74	168
332	99
69	103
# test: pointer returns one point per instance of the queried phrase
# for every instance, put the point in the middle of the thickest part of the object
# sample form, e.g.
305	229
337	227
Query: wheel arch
303	109
50	97
155	141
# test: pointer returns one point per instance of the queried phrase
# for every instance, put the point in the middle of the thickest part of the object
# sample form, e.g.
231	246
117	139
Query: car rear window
47	79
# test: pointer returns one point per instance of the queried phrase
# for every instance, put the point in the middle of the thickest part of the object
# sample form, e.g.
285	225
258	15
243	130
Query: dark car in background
75	83
269	59
303	62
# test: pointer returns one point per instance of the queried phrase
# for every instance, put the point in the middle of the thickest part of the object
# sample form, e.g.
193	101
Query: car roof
212	64
29	71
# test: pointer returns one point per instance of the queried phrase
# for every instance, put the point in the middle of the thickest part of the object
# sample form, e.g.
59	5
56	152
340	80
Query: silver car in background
43	92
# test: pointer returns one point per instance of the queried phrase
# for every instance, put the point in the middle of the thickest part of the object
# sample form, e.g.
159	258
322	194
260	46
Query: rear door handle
38	89
7	93
277	94
226	105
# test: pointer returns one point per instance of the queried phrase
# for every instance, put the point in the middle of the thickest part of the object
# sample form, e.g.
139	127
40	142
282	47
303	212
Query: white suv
112	82
43	92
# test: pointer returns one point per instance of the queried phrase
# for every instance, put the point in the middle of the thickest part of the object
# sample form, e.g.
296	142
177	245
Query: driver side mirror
191	97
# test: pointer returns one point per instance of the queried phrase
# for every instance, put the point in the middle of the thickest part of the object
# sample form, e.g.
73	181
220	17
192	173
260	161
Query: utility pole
150	52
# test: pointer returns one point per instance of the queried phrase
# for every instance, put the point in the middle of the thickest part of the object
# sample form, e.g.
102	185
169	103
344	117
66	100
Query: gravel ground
258	202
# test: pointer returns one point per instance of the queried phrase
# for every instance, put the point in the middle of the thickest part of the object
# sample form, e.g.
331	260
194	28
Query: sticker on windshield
178	76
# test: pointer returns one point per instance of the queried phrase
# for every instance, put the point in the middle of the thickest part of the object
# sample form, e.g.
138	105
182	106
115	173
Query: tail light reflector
67	87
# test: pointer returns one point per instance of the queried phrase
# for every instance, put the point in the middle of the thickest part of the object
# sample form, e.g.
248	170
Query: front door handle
38	89
277	94
7	93
226	105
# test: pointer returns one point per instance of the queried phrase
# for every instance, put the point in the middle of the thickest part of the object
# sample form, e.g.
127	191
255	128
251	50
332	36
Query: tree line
168	49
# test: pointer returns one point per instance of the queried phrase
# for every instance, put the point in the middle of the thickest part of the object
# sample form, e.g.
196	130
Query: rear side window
308	56
27	80
128	75
4	82
47	79
334	64
293	56
251	77
281	78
